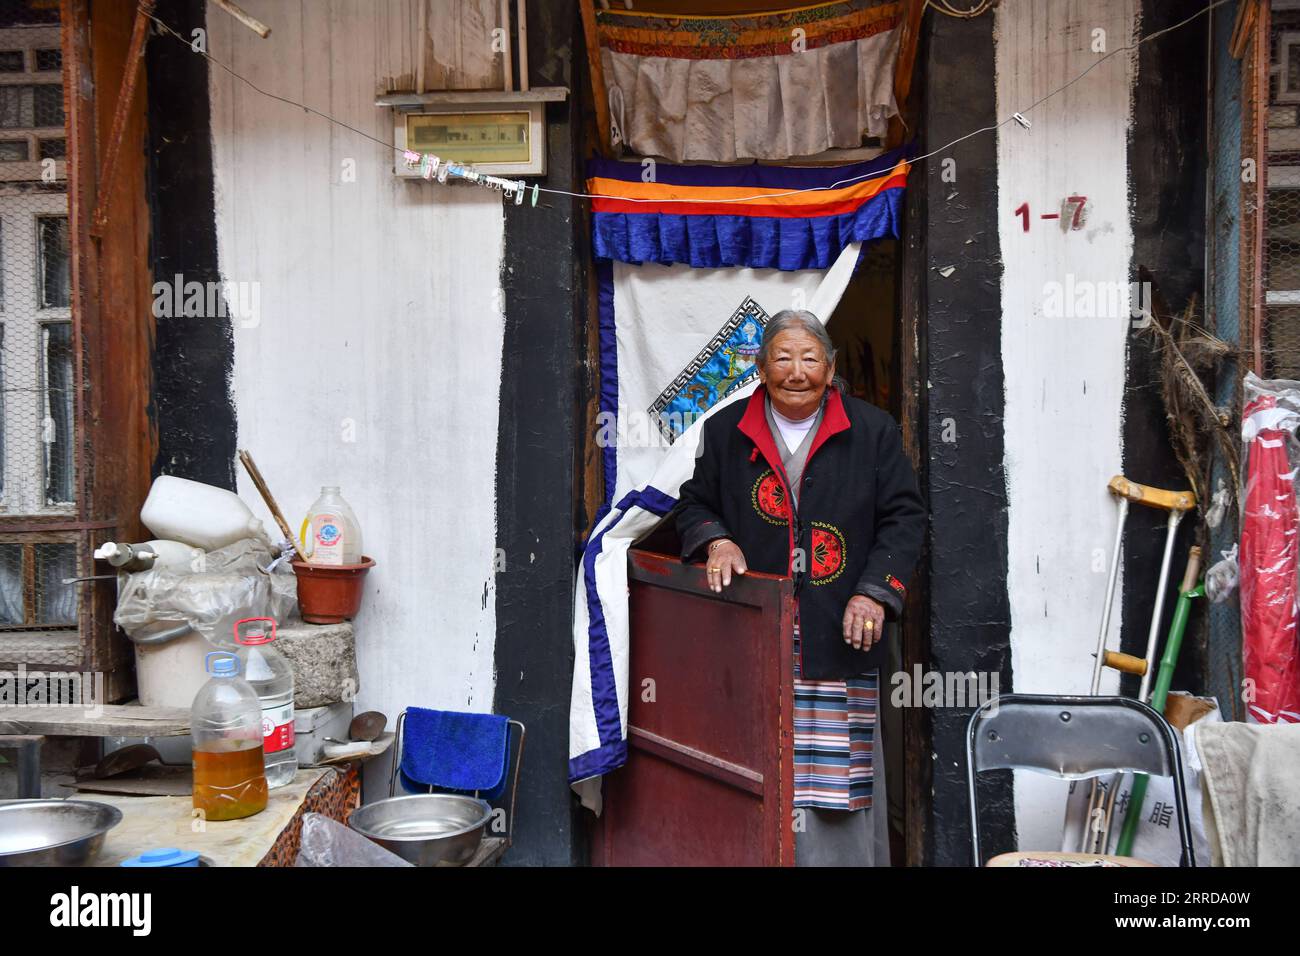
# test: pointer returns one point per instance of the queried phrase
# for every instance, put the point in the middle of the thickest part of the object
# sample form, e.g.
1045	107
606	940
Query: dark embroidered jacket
857	530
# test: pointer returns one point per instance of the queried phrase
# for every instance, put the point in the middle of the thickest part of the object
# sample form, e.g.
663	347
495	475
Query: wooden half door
710	773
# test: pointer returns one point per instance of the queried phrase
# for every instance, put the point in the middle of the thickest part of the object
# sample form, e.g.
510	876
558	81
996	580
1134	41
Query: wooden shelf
112	720
538	94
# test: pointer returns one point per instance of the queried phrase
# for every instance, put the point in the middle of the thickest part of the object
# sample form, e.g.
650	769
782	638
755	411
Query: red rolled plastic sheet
1270	553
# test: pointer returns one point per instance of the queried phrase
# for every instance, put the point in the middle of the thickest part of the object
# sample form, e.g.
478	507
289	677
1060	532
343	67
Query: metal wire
1017	116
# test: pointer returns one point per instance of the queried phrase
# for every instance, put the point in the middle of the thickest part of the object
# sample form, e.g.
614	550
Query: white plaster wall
1064	376
380	307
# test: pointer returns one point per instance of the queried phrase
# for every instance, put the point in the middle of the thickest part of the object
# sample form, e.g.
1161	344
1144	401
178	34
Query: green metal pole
1164	677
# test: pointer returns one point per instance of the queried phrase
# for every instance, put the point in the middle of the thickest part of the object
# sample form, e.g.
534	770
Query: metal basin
427	829
53	832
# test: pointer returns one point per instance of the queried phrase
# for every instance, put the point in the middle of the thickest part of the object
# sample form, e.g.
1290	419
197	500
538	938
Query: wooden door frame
112	319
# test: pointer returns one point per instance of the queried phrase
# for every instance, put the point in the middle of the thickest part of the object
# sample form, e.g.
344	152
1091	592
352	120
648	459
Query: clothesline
512	187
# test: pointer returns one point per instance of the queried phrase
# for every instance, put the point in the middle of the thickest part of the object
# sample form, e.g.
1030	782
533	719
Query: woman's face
796	373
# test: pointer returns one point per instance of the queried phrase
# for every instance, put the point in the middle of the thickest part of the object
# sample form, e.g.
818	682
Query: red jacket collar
754	424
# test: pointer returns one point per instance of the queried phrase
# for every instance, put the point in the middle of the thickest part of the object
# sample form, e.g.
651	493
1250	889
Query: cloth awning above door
769	86
757	217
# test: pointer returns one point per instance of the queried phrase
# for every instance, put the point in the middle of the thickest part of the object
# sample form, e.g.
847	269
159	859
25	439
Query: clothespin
520	189
534	194
412	158
443	170
1019	118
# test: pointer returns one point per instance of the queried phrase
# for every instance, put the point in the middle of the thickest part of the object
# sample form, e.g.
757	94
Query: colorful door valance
774	86
786	218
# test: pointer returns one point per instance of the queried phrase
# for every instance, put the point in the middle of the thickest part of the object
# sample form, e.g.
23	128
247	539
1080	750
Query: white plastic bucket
171	673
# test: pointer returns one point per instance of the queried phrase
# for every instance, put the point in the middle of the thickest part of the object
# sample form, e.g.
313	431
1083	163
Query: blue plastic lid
165	856
221	663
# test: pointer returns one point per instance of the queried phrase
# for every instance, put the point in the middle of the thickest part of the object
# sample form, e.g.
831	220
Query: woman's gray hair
799	320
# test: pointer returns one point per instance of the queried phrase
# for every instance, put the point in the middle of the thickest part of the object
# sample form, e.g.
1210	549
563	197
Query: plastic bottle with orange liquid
226	726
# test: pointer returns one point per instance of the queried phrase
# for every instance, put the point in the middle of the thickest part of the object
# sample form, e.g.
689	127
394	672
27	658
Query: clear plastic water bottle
226	727
270	675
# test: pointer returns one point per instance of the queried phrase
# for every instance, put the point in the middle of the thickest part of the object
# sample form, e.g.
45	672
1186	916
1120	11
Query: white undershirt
792	432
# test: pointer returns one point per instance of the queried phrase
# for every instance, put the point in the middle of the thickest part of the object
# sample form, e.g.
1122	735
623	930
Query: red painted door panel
709	776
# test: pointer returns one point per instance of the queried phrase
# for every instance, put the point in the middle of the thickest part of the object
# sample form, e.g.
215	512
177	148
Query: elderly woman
803	480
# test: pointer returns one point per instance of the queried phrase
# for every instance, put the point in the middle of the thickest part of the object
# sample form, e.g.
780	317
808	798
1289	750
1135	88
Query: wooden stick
421	31
131	71
598	89
523	45
260	483
257	26
509	71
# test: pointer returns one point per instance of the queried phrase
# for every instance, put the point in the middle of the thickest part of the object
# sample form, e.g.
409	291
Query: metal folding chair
1074	738
516	758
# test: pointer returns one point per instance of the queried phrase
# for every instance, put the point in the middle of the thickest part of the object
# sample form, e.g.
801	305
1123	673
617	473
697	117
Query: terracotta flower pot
330	593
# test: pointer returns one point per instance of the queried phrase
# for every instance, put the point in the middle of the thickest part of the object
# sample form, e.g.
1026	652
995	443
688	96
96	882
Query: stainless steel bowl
53	832
427	829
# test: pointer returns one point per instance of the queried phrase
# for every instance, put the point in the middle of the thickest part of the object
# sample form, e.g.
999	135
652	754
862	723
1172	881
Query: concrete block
324	658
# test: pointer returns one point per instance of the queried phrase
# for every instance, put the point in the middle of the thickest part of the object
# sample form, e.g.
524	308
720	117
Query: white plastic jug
331	533
199	515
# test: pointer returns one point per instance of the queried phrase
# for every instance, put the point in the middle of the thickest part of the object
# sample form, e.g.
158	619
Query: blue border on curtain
612	752
753	242
608	344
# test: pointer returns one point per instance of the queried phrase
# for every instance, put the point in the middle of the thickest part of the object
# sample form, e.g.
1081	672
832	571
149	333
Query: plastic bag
1269	556
1221	579
223	586
326	842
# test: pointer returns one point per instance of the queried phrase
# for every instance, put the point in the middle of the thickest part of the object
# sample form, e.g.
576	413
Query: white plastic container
331	533
164	555
270	675
171	673
199	515
176	556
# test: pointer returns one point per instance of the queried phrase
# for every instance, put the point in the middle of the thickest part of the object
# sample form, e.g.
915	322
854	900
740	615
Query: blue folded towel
449	750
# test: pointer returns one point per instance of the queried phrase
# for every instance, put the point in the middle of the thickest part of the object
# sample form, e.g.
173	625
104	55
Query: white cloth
1251	774
773	107
665	316
792	430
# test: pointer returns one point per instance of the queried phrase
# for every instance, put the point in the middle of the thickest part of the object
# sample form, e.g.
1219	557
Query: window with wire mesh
37	442
1280	253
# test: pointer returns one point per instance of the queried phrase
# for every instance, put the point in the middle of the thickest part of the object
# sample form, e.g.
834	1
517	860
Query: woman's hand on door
724	559
864	621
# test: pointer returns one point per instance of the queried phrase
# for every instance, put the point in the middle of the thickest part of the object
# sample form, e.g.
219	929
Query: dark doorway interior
865	331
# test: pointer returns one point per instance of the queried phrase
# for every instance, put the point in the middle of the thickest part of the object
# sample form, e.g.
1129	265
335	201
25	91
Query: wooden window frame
112	324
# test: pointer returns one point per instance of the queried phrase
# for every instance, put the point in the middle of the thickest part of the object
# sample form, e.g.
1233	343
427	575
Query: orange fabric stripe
704	201
765	195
